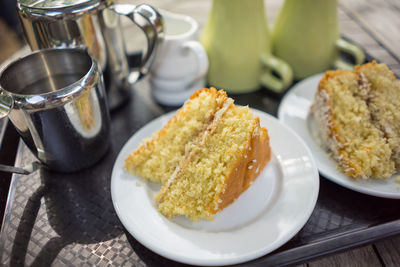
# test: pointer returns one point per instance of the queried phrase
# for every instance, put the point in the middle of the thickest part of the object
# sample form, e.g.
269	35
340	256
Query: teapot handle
150	22
6	104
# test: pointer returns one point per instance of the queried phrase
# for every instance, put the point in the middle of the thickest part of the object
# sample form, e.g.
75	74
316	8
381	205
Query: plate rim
236	259
341	178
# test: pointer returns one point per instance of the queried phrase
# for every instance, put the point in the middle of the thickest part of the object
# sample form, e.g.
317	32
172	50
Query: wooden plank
350	26
380	18
394	3
363	39
389	250
360	257
383	56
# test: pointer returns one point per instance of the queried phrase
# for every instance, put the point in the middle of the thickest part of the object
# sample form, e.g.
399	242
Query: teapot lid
56	4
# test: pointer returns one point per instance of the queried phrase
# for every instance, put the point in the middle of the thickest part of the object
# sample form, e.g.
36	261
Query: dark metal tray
69	219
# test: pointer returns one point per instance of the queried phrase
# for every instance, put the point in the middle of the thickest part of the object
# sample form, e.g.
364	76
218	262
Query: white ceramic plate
294	112
263	218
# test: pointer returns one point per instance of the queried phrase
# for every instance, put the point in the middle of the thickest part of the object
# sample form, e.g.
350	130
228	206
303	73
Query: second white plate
294	112
268	214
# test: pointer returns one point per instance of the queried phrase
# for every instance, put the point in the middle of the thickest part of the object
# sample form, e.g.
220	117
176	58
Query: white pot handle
201	58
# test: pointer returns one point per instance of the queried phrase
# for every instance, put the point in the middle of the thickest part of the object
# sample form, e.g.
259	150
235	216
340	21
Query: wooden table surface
372	24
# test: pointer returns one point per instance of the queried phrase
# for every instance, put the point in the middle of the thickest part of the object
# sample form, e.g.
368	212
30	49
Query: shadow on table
78	208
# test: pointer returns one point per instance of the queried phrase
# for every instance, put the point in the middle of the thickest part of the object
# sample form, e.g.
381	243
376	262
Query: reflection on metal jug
64	32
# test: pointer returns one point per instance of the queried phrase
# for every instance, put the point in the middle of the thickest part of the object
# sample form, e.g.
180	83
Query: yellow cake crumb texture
157	157
199	154
358	120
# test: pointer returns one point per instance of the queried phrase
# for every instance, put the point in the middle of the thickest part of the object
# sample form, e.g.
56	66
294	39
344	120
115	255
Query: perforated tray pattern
68	220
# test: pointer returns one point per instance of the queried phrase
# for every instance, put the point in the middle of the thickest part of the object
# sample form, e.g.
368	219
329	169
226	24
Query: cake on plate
157	158
205	157
358	120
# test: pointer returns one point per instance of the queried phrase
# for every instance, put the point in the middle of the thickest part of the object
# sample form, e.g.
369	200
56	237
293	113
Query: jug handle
280	67
351	49
151	23
6	104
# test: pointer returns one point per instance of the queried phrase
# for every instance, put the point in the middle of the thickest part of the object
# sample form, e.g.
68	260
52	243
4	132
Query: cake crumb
138	184
397	179
250	167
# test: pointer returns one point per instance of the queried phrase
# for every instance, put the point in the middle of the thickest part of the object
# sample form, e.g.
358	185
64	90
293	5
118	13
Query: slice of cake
218	168
158	156
215	165
384	103
345	108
